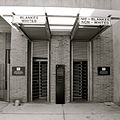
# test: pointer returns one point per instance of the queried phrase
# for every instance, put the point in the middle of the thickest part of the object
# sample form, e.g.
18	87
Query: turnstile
80	81
39	82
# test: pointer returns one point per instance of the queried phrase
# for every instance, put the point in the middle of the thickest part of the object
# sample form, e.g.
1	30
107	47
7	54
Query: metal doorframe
48	72
89	67
31	68
86	60
90	83
39	61
71	71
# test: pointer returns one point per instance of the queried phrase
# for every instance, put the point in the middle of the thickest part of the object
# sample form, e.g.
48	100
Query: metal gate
39	82
80	81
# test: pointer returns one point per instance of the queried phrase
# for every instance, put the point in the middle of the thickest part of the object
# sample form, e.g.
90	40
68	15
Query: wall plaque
103	70
18	71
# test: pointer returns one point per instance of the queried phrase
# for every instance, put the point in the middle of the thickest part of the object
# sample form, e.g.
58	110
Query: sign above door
29	19
95	21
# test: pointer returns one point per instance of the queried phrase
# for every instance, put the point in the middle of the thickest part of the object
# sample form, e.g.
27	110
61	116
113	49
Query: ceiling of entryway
59	19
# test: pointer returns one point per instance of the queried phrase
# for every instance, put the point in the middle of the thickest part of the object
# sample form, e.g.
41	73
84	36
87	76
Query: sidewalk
82	111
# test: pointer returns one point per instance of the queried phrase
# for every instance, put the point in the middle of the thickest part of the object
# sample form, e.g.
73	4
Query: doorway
39	80
80	81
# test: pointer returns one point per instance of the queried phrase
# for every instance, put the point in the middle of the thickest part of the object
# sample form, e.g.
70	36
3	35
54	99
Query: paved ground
83	111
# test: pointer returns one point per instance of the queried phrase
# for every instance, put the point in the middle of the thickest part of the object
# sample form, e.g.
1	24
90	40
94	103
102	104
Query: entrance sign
29	19
95	21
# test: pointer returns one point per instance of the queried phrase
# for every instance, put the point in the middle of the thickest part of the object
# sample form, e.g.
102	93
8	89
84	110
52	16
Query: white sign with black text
29	19
95	21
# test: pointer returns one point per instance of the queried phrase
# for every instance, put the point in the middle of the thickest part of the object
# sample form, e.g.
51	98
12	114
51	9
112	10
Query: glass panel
62	11
65	28
61	20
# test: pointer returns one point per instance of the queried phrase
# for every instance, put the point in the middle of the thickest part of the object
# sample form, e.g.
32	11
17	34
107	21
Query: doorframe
48	72
31	68
90	82
89	66
72	71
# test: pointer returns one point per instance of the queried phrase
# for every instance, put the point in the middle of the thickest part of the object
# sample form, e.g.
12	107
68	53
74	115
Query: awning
87	28
35	27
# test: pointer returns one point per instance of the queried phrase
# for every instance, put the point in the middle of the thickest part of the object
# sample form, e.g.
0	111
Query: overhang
87	28
35	27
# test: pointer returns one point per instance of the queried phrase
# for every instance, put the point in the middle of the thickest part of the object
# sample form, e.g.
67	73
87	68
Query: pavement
81	111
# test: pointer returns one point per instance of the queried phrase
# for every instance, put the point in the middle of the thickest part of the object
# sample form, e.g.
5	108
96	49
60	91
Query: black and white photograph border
59	60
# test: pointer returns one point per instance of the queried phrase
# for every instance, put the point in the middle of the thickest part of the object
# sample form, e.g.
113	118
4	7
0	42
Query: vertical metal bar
31	67
48	80
39	79
8	85
71	71
90	72
88	57
8	75
4	91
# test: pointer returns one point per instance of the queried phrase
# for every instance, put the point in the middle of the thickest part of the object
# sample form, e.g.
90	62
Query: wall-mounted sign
95	21
103	70
29	19
18	71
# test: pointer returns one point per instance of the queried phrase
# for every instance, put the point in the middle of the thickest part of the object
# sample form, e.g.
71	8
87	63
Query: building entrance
80	81
39	80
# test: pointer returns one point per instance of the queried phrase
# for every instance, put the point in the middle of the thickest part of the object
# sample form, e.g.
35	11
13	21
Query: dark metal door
39	83
60	79
80	81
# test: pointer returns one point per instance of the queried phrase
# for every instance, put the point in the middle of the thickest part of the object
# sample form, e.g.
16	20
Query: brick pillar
103	56
116	58
18	84
60	54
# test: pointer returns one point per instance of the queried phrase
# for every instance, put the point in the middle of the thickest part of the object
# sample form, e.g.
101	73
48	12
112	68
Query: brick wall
60	54
80	50
40	49
103	56
18	84
2	48
116	57
2	64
